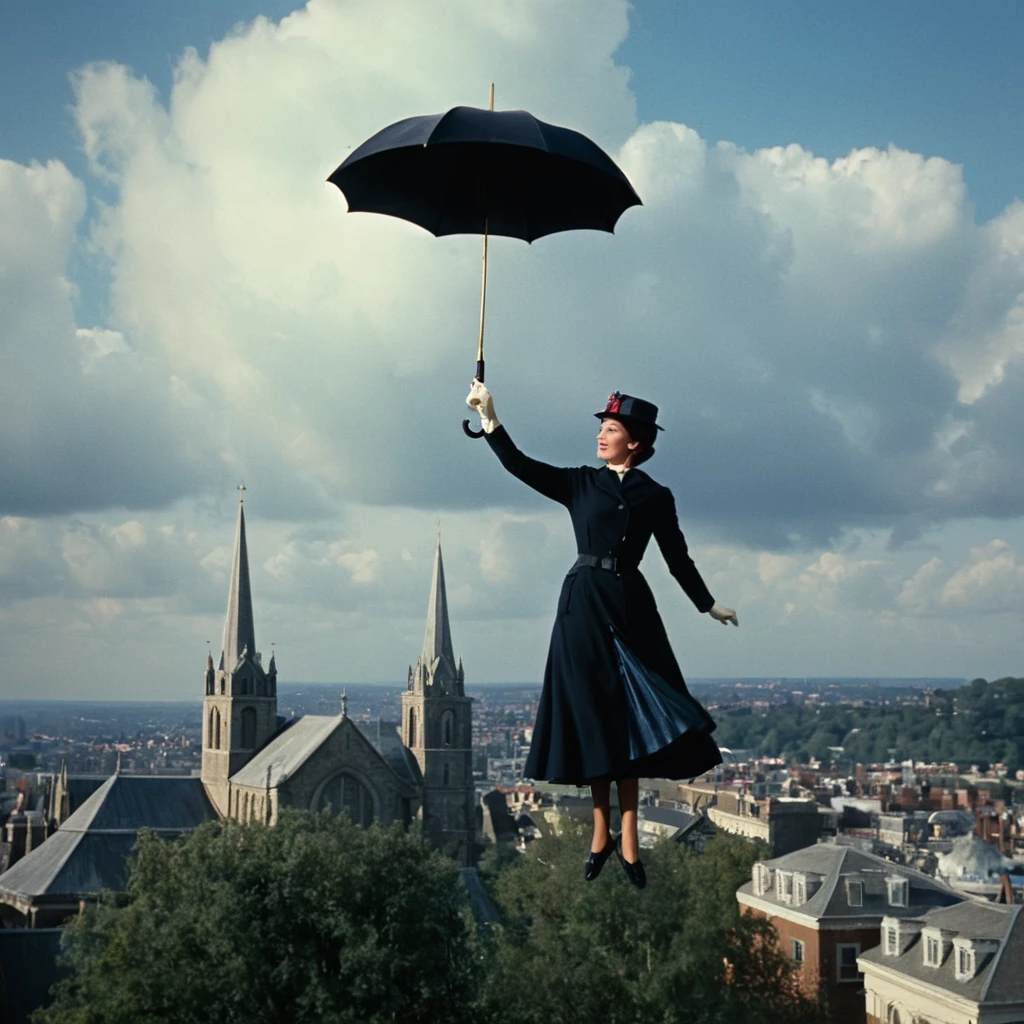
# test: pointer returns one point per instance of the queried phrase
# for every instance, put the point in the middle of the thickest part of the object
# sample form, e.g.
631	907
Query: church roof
287	751
239	632
386	739
88	853
437	640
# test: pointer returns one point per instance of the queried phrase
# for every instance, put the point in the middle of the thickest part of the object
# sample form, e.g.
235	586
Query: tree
569	951
312	920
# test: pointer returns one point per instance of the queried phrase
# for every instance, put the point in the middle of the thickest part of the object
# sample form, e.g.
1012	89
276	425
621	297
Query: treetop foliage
314	920
317	920
981	723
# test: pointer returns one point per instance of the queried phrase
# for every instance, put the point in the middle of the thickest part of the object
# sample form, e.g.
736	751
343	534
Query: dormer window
799	888
932	951
784	885
854	893
899	891
892	940
763	877
964	962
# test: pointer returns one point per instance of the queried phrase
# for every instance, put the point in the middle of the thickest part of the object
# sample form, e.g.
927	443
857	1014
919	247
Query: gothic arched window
448	729
215	729
445	776
346	794
412	728
248	728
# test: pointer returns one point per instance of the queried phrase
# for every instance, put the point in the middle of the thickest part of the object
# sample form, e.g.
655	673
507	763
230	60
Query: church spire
437	641
239	633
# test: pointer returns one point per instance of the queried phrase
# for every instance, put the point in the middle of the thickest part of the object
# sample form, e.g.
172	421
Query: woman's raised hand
723	615
480	399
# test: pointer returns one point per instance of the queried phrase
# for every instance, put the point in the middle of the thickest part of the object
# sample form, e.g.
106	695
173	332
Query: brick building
827	903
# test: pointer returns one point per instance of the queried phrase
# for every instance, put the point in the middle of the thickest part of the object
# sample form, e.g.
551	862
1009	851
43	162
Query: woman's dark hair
645	434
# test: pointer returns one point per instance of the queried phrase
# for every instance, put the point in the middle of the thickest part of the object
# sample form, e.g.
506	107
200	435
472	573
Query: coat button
622	506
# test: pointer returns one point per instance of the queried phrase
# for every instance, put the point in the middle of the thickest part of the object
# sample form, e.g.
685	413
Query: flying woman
614	707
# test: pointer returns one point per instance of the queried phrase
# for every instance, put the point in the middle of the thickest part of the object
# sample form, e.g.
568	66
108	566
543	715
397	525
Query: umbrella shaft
483	298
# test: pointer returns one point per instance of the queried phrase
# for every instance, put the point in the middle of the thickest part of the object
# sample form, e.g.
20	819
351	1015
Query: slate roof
28	968
998	976
386	738
668	816
288	751
480	902
88	853
836	865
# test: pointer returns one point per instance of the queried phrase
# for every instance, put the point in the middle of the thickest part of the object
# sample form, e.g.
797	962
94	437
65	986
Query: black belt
608	562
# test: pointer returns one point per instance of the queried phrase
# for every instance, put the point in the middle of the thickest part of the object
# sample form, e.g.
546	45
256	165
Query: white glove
723	615
480	400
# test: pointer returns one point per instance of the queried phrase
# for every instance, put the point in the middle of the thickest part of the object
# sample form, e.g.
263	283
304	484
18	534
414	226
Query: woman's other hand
723	615
480	399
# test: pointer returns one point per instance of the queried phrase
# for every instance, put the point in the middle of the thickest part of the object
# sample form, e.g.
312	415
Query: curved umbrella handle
470	432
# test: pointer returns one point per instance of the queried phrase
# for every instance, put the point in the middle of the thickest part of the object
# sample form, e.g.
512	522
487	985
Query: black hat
626	407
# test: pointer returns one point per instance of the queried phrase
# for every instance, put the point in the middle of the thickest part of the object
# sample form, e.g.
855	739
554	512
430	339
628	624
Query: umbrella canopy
473	171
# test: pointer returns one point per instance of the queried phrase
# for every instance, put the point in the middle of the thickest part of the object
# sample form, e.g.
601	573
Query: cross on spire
241	492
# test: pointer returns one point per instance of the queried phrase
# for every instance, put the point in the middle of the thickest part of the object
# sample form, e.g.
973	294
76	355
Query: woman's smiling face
612	442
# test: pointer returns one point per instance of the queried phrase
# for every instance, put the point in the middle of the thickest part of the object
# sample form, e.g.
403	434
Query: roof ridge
96	800
75	838
996	960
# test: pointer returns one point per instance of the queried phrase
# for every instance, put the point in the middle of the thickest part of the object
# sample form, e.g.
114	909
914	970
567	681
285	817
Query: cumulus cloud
836	346
990	581
811	329
86	422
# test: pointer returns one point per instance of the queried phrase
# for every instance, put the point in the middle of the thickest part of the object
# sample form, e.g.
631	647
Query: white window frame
932	944
899	891
784	886
796	950
854	885
840	946
892	939
966	963
799	888
763	879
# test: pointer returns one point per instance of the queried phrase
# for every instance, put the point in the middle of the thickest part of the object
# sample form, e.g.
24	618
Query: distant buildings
782	823
254	763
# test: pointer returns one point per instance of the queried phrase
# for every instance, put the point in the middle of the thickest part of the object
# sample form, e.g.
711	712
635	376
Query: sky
823	292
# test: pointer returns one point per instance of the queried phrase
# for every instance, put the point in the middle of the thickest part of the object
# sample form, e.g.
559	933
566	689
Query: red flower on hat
613	403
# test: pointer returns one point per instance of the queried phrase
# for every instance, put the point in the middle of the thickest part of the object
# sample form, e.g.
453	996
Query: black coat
583	723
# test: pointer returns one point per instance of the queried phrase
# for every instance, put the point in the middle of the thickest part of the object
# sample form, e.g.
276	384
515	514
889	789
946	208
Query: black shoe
596	860
635	871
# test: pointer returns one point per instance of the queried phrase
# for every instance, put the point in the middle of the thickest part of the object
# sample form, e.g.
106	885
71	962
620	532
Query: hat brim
627	419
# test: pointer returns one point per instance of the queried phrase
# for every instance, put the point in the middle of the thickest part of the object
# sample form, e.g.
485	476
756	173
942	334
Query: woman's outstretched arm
551	481
677	556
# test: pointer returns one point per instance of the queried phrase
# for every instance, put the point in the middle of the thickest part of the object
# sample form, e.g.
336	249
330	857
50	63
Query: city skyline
822	293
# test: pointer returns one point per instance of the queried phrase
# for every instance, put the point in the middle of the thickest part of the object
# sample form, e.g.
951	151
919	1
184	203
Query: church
255	762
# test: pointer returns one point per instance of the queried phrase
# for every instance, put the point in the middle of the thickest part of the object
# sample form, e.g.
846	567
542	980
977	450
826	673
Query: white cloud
990	581
836	348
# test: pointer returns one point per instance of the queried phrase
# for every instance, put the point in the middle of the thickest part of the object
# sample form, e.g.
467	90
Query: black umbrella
472	171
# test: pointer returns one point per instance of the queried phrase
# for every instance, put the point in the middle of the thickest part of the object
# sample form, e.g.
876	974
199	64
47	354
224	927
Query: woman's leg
601	791
629	798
